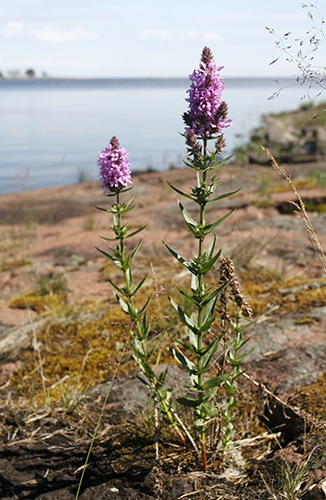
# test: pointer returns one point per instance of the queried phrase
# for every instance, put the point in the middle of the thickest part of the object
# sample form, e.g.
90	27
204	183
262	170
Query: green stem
127	276
201	180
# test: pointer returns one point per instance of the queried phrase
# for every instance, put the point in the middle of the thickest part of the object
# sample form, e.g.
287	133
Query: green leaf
138	346
225	160
189	297
225	195
102	209
109	239
143	309
143	381
176	255
111	257
190	402
181	192
208	316
210	250
194	282
215	382
207	266
123	304
182	359
209	352
135	232
183	316
116	287
191	348
131	255
126	209
210	227
187	217
146	369
214	294
208	410
140	284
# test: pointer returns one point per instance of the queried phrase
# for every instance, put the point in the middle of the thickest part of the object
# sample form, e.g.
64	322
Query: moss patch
312	397
9	265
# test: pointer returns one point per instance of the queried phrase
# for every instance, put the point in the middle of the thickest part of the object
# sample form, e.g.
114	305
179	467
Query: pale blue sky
112	38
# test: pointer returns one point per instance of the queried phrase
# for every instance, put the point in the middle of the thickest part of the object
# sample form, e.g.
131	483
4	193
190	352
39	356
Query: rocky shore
61	333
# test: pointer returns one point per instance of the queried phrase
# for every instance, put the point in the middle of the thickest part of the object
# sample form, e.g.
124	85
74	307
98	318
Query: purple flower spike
115	167
207	112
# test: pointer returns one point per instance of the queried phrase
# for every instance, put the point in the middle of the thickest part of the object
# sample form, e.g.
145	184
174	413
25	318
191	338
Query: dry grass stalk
301	208
307	417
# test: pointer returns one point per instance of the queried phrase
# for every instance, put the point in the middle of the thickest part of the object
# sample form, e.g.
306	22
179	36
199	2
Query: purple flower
115	167
207	112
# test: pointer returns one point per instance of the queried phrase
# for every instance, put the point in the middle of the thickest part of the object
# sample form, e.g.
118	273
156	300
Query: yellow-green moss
262	288
84	343
38	303
9	265
313	397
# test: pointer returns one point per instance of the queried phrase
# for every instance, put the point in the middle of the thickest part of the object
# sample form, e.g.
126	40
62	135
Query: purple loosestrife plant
207	113
206	120
114	167
116	176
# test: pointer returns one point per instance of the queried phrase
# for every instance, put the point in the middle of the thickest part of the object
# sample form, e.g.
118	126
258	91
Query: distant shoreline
141	79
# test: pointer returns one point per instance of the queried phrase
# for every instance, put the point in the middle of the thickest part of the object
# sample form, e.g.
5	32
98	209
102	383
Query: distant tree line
29	73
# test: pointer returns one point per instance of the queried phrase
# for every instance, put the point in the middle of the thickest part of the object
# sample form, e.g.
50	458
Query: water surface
52	130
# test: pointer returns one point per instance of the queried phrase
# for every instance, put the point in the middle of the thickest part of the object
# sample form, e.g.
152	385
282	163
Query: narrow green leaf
189	348
211	247
140	284
225	195
214	294
111	257
102	209
215	382
109	239
135	232
146	369
192	403
162	376
176	255
181	192
209	352
143	309
189	297
183	316
210	227
116	287
143	381
207	266
194	282
209	310
187	217
132	253
123	304
125	190
125	210
225	160
182	359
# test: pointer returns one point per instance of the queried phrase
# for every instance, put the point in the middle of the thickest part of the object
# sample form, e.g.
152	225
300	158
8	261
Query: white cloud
185	36
51	35
211	37
12	28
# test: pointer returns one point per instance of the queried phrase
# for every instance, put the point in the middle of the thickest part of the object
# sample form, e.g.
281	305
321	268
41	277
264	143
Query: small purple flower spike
114	167
207	112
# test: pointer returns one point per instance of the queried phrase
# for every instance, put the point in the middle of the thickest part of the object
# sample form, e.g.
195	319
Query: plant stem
201	182
140	333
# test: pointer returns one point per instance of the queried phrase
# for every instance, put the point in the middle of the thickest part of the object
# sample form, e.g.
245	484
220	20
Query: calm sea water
51	131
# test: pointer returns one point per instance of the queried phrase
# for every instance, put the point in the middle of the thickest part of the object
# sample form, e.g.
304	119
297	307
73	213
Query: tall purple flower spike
114	167
207	112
